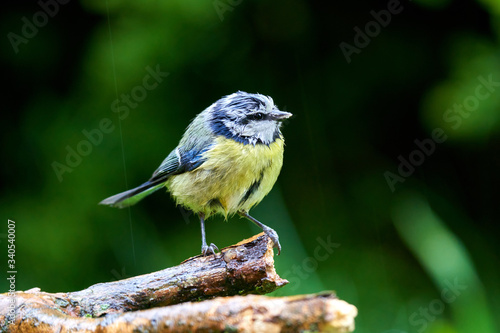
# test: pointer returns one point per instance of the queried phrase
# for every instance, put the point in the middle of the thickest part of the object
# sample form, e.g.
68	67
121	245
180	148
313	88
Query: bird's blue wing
180	160
169	166
188	155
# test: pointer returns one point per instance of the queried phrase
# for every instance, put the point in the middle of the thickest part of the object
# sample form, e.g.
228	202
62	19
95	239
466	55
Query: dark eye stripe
256	116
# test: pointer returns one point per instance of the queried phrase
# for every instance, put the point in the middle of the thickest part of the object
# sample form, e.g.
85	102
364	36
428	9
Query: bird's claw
273	235
208	249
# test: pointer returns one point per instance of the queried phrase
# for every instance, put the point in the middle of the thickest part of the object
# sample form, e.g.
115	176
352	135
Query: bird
226	162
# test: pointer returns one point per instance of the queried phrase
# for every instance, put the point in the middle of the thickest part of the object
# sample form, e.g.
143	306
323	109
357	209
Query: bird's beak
280	115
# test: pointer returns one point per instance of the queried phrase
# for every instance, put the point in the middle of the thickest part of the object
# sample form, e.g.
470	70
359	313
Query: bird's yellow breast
233	178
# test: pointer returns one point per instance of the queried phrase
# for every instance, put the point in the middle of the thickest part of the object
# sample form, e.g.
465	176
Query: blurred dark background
368	204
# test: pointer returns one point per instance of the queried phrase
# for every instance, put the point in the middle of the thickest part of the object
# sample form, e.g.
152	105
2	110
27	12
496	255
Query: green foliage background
395	253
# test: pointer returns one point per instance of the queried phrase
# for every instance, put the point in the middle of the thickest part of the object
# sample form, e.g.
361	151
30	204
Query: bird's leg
205	249
268	231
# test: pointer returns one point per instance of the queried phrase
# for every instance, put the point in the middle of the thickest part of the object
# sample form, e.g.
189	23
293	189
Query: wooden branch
240	269
244	268
252	313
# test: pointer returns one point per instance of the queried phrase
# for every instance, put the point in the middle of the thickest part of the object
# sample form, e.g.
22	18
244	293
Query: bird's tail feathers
131	197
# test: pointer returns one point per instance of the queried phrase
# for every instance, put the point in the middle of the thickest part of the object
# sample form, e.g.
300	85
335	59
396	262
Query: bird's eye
257	116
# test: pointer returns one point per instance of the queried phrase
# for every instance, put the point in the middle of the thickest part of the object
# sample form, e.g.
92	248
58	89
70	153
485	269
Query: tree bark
252	313
124	306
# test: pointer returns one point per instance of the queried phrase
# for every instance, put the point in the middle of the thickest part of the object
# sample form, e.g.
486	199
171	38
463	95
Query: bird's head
246	118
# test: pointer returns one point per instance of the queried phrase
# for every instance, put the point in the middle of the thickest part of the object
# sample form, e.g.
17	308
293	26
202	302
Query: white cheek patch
248	130
255	131
262	130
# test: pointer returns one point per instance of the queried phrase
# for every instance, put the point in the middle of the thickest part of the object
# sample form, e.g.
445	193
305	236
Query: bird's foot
208	249
273	235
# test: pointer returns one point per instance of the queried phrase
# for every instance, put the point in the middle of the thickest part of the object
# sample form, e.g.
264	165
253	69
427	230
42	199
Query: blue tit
226	162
